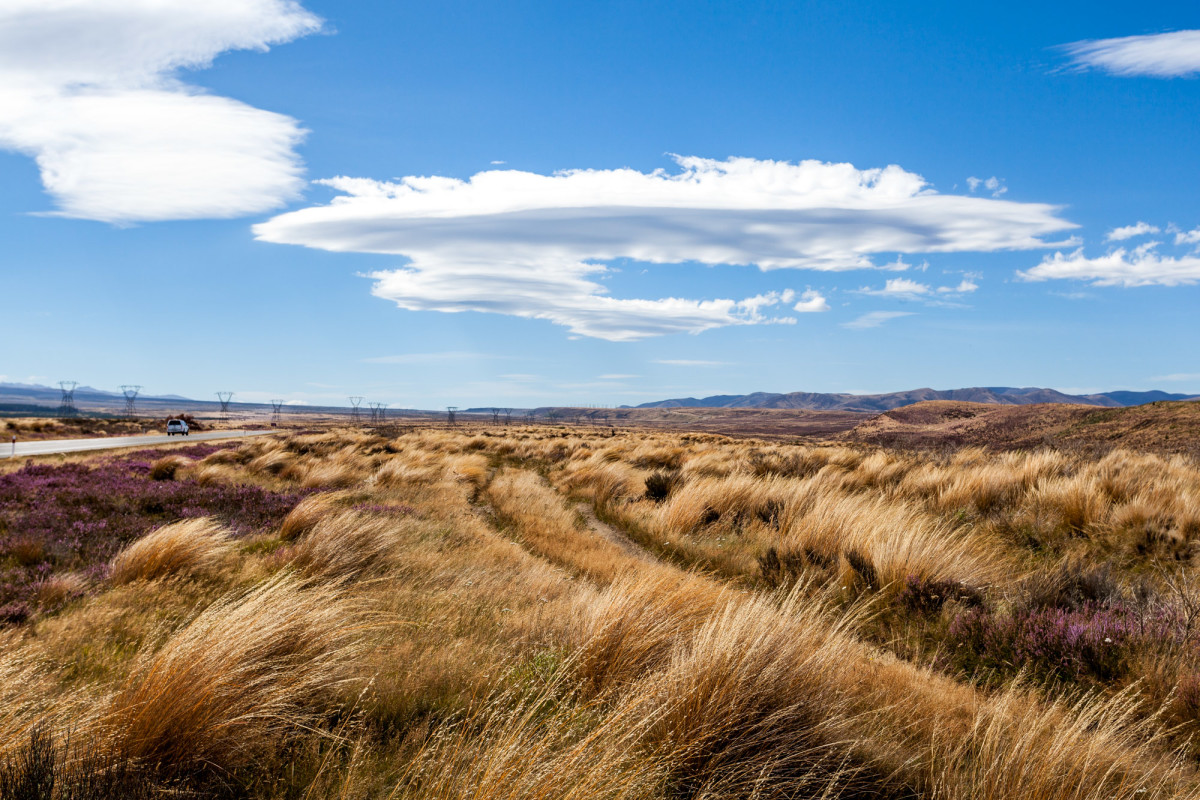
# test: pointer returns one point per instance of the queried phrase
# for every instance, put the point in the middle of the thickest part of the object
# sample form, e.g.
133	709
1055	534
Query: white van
175	426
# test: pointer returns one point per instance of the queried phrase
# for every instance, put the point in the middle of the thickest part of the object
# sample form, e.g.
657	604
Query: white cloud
1187	237
687	362
906	289
901	288
88	88
531	245
1120	267
965	286
1130	231
873	319
618	377
992	184
810	302
1178	376
1161	55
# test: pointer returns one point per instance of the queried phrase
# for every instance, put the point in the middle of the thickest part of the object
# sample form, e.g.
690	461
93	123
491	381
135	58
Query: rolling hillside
997	395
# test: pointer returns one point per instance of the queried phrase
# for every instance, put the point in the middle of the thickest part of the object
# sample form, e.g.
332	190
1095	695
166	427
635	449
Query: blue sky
529	203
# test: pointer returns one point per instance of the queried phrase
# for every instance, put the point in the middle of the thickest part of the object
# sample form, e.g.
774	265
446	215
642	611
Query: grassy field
581	613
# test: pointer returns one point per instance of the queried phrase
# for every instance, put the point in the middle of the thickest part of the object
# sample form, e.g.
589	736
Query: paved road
109	442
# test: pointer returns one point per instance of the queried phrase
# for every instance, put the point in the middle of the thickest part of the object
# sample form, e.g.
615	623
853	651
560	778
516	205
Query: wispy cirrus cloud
90	90
873	319
992	184
1160	55
532	245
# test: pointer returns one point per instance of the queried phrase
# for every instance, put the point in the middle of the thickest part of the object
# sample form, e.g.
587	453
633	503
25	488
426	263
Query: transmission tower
67	407
450	411
507	416
355	402
276	411
531	415
374	412
383	412
225	397
495	416
131	393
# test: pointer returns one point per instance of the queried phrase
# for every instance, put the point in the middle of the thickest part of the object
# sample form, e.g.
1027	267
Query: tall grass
236	681
191	547
538	654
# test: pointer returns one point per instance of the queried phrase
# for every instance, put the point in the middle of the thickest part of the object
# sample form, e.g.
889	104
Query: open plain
553	611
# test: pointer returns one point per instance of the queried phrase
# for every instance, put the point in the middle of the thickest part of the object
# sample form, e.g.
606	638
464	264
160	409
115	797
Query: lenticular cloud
532	245
88	89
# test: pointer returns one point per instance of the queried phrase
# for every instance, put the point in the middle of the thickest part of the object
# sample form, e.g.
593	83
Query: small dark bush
778	569
863	566
926	596
660	484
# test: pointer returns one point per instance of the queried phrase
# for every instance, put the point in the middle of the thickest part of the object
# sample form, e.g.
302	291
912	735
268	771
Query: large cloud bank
533	245
1158	55
88	89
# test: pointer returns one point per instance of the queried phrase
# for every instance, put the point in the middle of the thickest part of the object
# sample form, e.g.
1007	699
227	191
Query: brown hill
1167	427
765	423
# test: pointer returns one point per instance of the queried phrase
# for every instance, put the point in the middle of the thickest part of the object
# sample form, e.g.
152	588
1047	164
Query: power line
66	408
225	397
131	393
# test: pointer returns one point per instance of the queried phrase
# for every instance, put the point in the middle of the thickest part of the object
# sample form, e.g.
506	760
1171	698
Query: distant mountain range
1001	395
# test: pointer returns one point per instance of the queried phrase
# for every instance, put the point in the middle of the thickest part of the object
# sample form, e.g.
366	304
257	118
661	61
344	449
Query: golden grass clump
58	588
164	469
895	539
237	680
1091	748
307	513
346	544
511	749
189	547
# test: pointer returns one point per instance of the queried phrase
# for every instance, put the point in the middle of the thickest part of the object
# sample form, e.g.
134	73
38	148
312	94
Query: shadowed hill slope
998	395
1168	427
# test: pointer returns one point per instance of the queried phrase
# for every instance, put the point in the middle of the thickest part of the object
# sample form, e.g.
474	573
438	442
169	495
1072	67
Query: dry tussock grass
191	547
347	544
240	677
532	655
307	513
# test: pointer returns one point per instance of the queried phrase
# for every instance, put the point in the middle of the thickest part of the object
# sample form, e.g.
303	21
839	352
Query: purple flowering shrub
1089	644
75	517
